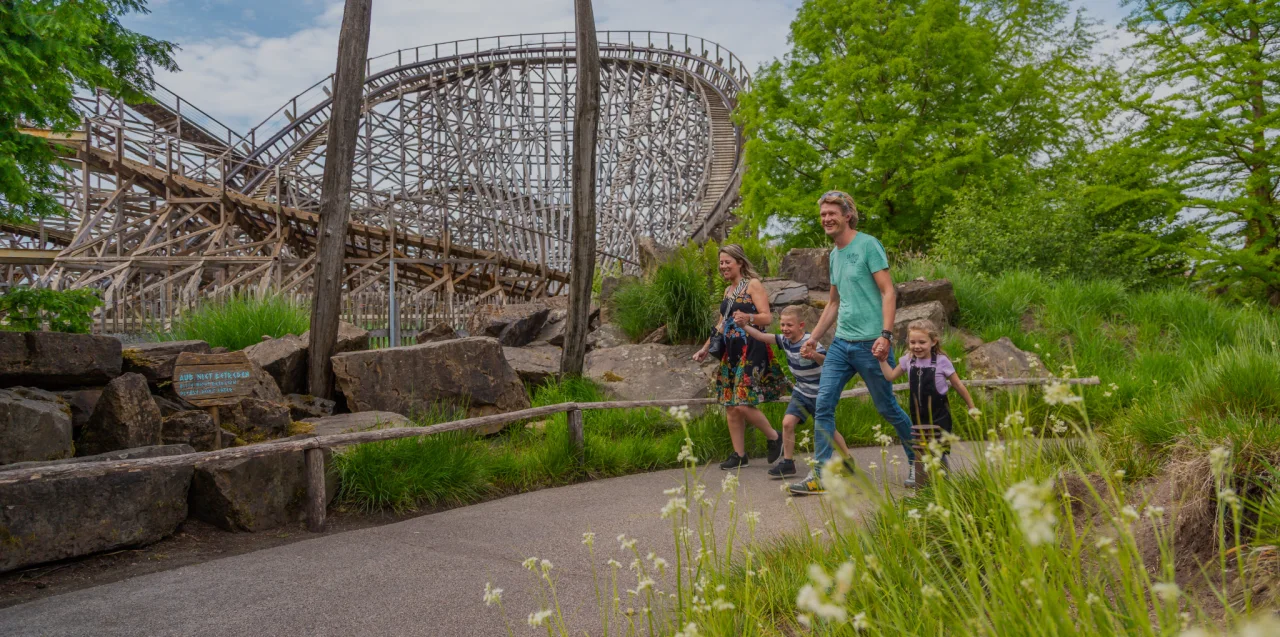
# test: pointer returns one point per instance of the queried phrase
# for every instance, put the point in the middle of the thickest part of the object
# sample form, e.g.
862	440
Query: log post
574	418
921	435
317	499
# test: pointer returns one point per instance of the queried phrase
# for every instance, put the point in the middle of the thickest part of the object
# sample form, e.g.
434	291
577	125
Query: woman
748	373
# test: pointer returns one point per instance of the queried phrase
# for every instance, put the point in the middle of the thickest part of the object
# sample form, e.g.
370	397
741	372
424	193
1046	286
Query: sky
241	59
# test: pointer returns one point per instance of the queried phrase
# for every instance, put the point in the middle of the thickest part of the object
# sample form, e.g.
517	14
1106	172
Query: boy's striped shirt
807	372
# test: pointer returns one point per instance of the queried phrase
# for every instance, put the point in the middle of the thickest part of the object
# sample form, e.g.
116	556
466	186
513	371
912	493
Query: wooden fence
314	447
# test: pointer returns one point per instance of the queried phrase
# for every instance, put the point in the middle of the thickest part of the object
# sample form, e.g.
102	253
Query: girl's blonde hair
927	326
736	253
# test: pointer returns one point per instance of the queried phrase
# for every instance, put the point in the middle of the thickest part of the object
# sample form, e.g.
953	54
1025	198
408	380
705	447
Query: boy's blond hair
794	312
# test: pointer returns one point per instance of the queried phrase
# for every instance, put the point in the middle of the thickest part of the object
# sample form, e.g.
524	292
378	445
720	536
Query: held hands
742	318
809	349
880	349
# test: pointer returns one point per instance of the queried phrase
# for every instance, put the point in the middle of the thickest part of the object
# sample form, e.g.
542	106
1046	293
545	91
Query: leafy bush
26	309
240	321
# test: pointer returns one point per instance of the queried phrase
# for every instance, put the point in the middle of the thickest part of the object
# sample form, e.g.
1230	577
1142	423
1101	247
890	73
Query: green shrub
26	309
635	309
240	321
680	294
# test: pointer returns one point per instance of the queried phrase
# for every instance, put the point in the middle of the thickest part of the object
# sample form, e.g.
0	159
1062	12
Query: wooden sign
206	380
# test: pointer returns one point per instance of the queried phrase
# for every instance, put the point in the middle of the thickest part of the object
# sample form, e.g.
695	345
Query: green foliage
52	48
903	103
681	293
239	321
26	309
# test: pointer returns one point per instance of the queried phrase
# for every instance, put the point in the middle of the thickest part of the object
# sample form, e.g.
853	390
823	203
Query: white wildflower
929	592
1014	419
975	413
1119	474
860	622
729	483
1032	502
1092	599
690	630
626	543
934	509
824	596
1154	512
1218	459
995	452
686	453
1060	394
546	566
589	539
612	563
492	595
680	413
1167	591
539	618
720	604
530	563
753	517
1228	497
914	514
645	583
1129	514
673	506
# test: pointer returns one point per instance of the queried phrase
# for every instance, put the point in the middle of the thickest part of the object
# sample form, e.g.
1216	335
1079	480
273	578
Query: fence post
921	436
316	496
574	418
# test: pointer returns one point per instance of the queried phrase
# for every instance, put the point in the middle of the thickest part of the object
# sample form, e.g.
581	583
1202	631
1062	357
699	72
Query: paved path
423	576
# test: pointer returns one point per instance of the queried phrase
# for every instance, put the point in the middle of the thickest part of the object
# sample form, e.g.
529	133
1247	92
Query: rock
932	311
54	360
810	267
254	494
229	439
169	405
304	406
651	253
1003	359
359	421
641	372
436	333
155	360
218	350
81	402
517	325
416	378
609	335
552	333
785	292
193	428
264	387
819	298
60	517
971	341
560	308
658	336
350	338
919	292
610	284
34	425
254	420
534	364
125	417
285	359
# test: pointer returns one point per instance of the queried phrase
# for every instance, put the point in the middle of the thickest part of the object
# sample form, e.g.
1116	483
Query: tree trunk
335	199
586	117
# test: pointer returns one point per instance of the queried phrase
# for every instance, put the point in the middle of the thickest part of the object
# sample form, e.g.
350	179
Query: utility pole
335	197
586	118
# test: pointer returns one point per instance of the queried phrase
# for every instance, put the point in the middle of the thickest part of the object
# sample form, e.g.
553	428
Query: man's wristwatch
887	335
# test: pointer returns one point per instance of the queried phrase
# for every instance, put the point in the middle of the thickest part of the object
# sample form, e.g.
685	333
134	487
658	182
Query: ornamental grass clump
239	320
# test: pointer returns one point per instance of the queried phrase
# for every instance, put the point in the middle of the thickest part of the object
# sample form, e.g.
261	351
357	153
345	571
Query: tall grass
681	293
239	321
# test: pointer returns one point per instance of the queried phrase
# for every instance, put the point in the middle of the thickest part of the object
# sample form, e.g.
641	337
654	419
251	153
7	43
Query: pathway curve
423	576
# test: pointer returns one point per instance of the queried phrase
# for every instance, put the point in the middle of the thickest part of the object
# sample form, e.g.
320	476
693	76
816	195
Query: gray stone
785	292
359	421
517	325
610	284
436	333
54	360
193	428
254	494
303	406
534	364
285	359
254	420
350	338
931	311
658	336
230	439
218	350
55	518
125	417
971	341
170	405
1003	359
34	425
921	291
264	387
642	372
155	360
467	372
81	402
609	335
650	253
553	332
810	267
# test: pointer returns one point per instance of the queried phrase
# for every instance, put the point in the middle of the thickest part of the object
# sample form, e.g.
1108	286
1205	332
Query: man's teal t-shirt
861	315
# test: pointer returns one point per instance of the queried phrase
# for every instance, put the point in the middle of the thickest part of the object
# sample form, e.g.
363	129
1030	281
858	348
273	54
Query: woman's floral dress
748	374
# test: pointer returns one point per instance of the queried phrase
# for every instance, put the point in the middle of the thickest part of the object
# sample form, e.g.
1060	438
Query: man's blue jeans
844	360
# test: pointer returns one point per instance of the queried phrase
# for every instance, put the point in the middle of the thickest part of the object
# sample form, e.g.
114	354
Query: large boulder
359	421
610	284
785	292
54	360
255	420
534	364
194	428
641	372
303	406
34	425
608	335
517	325
155	360
1003	359
125	417
350	338
436	333
920	291
55	518
932	311
285	359
808	266
254	494
81	402
651	253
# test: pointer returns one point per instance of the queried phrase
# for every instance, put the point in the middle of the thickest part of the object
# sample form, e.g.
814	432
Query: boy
807	369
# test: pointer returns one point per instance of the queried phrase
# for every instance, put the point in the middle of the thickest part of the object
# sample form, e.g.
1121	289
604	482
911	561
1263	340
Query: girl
930	373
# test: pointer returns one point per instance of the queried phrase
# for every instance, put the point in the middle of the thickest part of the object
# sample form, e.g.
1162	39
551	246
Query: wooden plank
317	499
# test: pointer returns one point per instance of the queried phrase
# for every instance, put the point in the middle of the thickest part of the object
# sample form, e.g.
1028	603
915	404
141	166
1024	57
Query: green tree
49	49
1206	87
903	102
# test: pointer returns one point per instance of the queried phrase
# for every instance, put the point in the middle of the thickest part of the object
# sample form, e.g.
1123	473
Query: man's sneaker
775	449
783	469
910	482
734	462
811	485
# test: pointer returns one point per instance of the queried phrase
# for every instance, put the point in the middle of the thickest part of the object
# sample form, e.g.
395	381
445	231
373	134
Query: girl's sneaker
784	468
734	462
811	485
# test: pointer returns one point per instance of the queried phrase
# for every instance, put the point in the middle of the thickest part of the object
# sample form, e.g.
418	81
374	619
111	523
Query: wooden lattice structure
461	176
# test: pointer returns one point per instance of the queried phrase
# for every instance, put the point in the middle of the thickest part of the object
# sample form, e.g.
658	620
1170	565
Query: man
862	306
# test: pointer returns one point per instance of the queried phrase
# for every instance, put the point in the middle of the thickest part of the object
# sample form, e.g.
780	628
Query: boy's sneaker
783	469
775	449
811	485
734	462
910	482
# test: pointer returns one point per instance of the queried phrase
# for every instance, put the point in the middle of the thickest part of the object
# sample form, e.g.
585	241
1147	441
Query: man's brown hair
842	199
